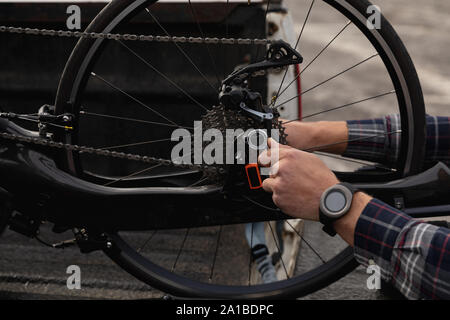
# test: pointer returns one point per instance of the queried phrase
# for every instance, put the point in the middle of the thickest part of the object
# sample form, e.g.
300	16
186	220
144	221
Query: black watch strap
327	224
326	220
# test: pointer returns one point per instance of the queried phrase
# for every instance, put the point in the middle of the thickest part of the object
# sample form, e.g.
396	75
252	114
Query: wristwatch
335	202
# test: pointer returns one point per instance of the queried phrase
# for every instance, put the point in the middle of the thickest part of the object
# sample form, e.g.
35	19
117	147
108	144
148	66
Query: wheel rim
125	258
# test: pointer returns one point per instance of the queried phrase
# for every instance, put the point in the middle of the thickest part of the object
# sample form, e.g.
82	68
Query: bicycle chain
133	37
106	153
216	118
209	170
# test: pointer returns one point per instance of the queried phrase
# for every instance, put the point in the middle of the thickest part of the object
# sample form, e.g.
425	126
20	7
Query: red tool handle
253	176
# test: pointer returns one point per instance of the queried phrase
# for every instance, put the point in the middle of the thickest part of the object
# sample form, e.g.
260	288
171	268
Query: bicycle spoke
307	243
226	36
182	51
133	120
304	23
131	97
315	58
351	140
275	98
326	47
147	241
354	161
265	21
328	80
180	250
133	174
215	254
202	34
279	250
198	182
342	106
148	64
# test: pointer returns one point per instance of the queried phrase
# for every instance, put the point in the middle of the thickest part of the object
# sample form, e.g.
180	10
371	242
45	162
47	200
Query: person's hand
298	180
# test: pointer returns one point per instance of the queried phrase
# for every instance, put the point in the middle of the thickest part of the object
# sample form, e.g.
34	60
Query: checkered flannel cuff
438	140
375	140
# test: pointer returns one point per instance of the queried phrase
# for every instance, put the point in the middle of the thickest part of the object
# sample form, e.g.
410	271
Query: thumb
272	143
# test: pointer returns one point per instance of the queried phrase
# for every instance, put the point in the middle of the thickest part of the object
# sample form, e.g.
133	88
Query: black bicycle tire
129	260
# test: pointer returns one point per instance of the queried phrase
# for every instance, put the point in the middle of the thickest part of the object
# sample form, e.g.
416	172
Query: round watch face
336	201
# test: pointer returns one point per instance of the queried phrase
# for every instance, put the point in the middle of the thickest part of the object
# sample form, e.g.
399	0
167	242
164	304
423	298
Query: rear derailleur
236	95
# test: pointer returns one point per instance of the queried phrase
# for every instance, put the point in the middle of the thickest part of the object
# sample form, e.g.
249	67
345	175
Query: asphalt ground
31	271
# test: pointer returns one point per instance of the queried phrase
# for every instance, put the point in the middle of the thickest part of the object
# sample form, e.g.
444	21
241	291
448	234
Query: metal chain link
125	37
132	37
106	153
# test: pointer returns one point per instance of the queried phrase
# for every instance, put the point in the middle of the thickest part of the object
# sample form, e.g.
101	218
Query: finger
268	184
274	169
272	143
264	159
272	155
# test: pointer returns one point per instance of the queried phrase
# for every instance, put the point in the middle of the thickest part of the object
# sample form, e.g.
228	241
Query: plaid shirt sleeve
411	254
379	140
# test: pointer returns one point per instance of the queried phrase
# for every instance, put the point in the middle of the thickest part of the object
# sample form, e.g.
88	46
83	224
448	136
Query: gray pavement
30	271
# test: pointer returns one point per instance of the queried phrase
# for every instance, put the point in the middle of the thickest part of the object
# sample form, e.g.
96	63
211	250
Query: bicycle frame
36	187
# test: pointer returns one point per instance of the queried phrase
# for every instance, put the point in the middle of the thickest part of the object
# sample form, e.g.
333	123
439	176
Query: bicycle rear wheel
407	100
